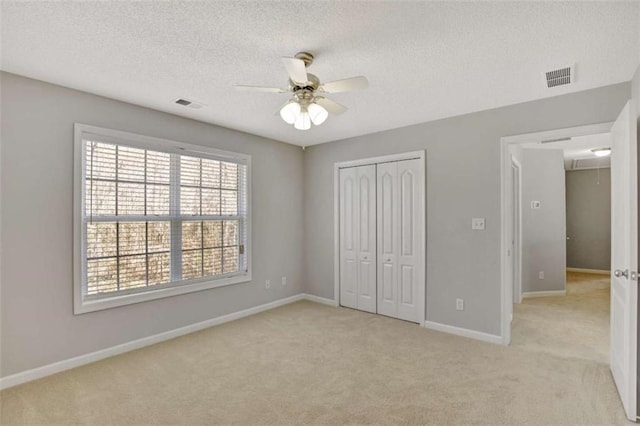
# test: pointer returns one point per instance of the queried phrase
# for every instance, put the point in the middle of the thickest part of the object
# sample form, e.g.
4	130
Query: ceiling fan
308	103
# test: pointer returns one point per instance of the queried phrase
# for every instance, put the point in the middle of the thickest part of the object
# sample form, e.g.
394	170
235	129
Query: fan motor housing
312	84
305	57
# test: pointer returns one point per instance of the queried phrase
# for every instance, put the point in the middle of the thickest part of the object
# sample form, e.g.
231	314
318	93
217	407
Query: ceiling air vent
590	163
555	140
560	76
188	103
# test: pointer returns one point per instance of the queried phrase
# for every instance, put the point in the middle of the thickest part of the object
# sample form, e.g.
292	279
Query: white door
366	232
358	238
411	246
400	206
624	256
387	241
348	250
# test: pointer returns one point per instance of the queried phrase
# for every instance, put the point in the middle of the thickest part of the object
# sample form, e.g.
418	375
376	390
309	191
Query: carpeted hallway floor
308	363
571	326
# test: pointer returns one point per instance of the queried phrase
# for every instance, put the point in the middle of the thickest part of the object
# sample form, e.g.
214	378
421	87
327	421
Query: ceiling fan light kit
308	103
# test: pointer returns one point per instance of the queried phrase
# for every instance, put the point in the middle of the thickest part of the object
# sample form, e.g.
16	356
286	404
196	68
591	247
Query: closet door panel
348	238
366	243
387	238
406	180
409	228
407	286
388	285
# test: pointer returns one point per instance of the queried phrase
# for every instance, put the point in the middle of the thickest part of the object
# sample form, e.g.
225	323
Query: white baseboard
532	294
318	299
57	367
589	271
464	332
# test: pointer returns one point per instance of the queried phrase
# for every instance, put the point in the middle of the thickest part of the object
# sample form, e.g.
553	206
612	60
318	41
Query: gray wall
38	325
543	229
589	219
463	181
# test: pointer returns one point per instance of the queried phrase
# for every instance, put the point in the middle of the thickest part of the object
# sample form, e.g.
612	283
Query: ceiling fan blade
260	89
296	69
345	85
331	106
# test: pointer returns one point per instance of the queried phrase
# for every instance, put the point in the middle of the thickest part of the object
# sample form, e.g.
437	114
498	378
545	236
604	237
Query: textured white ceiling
424	60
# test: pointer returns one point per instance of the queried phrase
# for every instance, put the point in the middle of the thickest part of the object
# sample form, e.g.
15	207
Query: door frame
412	155
505	210
516	208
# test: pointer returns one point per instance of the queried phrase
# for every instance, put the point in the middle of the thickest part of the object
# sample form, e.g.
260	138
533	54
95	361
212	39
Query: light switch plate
535	205
477	223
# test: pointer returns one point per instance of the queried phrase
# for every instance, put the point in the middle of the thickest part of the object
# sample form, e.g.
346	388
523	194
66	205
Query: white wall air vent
560	76
588	163
188	103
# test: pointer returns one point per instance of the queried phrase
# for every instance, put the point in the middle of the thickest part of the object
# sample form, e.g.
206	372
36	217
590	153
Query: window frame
83	304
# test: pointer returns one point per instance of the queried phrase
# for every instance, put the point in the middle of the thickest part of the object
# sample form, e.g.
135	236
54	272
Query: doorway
623	316
509	146
562	291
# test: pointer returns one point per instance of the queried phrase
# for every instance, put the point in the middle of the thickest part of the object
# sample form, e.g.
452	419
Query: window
156	218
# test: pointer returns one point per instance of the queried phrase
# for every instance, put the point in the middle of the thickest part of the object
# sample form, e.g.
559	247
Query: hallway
571	326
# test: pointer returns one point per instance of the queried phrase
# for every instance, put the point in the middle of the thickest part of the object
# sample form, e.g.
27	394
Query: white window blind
159	217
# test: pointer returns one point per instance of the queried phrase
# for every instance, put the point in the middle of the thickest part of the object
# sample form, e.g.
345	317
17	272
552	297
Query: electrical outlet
541	275
459	304
535	204
267	284
284	281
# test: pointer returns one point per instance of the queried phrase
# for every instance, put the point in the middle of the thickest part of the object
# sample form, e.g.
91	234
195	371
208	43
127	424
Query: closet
381	237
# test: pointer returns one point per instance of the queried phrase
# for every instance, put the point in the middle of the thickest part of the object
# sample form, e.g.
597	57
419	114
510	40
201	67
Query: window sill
83	306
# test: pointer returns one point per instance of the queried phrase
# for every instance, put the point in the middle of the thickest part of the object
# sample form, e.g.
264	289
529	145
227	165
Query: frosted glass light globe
290	112
303	121
318	114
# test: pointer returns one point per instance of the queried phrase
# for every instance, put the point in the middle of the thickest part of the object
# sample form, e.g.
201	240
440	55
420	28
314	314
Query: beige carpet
575	325
308	363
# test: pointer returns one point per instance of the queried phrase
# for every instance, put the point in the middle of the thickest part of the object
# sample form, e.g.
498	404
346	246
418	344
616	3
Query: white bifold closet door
358	238
400	206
